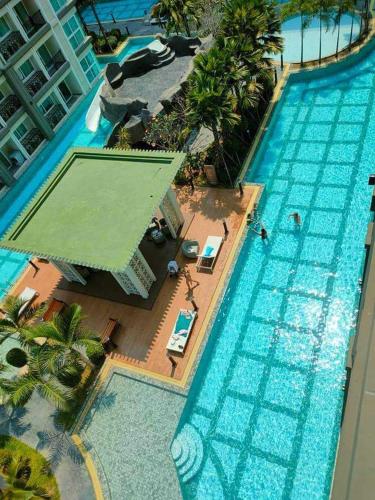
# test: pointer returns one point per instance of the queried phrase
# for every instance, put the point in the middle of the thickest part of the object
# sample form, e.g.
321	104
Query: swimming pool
120	10
292	38
72	133
132	45
267	397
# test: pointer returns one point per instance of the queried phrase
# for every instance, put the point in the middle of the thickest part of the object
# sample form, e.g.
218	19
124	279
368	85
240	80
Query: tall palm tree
69	342
17	473
178	13
38	378
256	22
16	320
303	8
210	104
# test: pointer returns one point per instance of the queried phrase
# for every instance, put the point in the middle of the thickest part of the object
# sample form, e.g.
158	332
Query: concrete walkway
35	426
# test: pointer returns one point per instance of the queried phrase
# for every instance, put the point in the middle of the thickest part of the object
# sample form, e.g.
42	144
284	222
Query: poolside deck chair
54	308
28	295
207	258
181	330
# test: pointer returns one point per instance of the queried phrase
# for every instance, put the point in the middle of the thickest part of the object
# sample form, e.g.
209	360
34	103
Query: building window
90	66
65	92
74	32
4	27
26	69
48	103
20	131
57	4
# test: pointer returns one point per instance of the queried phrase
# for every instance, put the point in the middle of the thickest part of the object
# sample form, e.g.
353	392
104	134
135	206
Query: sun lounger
54	308
27	296
181	330
106	335
206	259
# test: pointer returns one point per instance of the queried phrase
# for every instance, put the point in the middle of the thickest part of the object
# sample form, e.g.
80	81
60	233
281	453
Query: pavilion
94	211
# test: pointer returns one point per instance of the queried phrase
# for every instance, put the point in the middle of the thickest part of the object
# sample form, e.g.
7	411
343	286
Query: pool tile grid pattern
269	442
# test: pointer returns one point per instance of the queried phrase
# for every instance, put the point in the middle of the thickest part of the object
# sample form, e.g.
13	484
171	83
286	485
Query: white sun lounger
27	296
181	330
206	259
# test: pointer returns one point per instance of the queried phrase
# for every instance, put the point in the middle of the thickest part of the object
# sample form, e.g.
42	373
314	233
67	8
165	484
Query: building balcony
11	44
35	82
9	106
55	115
32	140
34	24
55	63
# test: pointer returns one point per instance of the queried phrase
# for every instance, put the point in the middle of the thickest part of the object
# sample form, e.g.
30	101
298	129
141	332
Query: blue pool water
267	397
132	46
292	38
120	10
72	133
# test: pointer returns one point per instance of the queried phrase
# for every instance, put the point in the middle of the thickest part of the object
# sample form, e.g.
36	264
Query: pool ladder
187	452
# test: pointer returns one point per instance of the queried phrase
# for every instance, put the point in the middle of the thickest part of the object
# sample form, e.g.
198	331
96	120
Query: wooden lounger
109	330
55	307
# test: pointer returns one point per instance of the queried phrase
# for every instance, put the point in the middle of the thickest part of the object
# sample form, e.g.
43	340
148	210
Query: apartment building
46	67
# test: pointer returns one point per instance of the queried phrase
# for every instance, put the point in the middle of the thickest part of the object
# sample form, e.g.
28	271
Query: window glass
26	69
57	4
20	131
45	55
65	91
74	32
48	103
4	27
90	66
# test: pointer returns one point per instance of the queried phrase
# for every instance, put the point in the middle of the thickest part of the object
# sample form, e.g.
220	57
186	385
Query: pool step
187	452
165	58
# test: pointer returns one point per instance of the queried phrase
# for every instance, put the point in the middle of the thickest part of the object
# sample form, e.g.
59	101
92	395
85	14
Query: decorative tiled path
266	398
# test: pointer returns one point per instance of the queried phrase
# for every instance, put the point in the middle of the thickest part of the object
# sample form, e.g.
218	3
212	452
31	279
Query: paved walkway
35	426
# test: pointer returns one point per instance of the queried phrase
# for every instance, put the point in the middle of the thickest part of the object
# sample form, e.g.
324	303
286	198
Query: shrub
115	32
16	357
113	41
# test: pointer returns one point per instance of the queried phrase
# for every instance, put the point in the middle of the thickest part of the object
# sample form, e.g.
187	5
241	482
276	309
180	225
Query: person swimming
296	217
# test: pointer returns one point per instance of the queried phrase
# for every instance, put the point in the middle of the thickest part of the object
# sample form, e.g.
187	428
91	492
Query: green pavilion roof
96	208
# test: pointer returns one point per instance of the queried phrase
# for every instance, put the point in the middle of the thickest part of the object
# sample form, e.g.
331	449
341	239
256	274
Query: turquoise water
120	10
267	397
132	46
292	38
72	133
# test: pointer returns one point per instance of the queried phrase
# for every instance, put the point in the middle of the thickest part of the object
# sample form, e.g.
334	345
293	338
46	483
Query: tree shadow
58	445
12	421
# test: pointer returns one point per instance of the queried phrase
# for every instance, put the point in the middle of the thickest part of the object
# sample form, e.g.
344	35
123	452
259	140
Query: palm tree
178	13
38	378
69	342
16	320
255	22
123	139
210	104
17	472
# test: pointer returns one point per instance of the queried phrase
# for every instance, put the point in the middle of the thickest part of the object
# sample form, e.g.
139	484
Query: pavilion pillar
137	277
171	212
69	272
